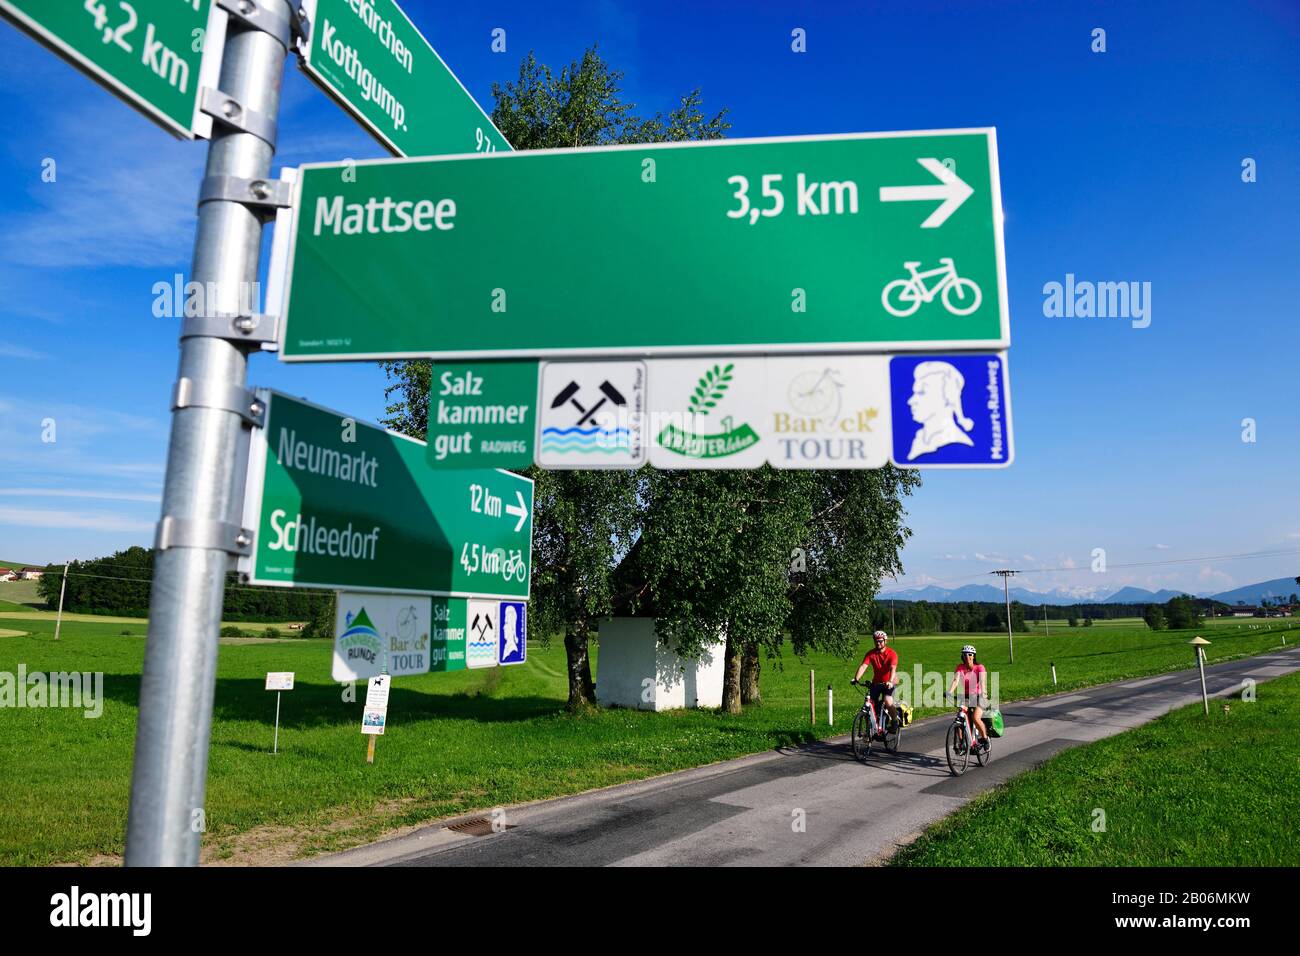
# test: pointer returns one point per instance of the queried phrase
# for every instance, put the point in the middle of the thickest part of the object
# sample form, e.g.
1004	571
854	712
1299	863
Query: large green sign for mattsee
370	58
149	52
337	503
866	242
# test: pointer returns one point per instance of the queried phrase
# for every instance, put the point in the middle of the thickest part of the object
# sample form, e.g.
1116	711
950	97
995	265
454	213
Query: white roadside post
1200	644
830	704
199	531
1053	673
63	587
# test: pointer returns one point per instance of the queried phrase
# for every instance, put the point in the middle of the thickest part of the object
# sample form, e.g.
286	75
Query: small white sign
381	634
279	680
482	626
827	412
706	413
375	715
592	415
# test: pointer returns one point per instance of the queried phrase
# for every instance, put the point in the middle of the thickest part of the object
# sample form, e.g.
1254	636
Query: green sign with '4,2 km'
862	242
149	52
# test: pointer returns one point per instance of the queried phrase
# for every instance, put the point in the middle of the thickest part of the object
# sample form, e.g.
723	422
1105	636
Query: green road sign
482	415
367	55
857	242
149	52
337	503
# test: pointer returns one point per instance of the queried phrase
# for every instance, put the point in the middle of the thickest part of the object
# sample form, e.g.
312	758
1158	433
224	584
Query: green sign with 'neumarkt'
337	503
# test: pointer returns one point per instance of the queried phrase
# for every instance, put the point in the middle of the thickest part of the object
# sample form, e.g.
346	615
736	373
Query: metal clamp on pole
273	18
207	534
301	22
226	109
265	194
231	398
254	329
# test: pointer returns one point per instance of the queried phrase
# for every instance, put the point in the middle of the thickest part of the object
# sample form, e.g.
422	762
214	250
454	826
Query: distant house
1244	610
7	574
32	574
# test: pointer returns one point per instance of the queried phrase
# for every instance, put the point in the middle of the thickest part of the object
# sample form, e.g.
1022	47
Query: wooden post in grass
370	748
1200	643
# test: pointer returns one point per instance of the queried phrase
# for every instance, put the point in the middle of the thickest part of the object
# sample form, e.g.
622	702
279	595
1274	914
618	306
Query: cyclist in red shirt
884	673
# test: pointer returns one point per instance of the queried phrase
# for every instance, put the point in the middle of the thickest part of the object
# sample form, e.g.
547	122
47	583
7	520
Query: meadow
456	742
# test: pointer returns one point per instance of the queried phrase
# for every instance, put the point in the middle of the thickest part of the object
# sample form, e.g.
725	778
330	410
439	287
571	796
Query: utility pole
892	626
63	587
1006	593
212	409
1047	627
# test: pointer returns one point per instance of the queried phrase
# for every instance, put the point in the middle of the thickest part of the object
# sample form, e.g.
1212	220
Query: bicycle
960	296
957	745
867	728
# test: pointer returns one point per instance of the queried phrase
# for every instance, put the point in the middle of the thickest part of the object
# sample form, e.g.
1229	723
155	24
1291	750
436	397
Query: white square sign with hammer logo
592	415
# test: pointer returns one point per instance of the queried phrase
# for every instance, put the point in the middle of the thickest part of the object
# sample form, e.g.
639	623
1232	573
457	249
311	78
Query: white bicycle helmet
968	649
880	634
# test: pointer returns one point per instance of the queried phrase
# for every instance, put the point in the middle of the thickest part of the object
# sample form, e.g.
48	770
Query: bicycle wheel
893	731
862	736
957	750
983	756
966	299
905	306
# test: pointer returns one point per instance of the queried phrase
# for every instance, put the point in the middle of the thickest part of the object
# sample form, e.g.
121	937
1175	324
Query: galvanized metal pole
203	485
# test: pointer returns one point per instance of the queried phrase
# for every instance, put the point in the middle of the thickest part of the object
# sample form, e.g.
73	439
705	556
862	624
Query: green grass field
17	595
1185	790
456	742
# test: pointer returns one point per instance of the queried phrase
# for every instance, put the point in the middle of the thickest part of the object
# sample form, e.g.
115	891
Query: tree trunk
582	689
731	676
750	665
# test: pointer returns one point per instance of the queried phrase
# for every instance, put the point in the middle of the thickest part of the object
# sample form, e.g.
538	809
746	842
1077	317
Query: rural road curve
740	811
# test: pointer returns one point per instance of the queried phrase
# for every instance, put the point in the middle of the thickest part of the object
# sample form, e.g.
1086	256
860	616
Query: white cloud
19	352
80	493
1161	547
80	521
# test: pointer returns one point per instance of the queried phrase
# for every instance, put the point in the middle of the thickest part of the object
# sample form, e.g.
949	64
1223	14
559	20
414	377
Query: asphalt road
742	811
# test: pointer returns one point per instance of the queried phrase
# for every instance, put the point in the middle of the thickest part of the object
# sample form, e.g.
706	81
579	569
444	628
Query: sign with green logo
151	53
482	415
337	503
863	242
367	55
707	413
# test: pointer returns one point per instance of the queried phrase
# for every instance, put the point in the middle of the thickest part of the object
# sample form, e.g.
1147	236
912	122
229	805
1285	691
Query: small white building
636	669
32	574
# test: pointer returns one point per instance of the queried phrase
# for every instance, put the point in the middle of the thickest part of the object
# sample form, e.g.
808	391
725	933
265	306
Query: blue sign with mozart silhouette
951	410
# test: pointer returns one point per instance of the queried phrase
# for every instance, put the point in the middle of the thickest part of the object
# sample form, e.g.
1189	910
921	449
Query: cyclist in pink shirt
971	675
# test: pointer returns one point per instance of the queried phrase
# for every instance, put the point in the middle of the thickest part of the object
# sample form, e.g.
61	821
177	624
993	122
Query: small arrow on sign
520	510
951	189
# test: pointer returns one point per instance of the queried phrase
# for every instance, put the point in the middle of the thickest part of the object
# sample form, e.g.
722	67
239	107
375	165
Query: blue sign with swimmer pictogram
951	410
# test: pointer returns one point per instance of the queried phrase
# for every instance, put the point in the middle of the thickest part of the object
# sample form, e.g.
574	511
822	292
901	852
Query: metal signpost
336	503
795	245
371	59
158	57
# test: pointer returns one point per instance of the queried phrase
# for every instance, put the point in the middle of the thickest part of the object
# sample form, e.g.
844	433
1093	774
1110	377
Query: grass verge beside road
456	742
1184	790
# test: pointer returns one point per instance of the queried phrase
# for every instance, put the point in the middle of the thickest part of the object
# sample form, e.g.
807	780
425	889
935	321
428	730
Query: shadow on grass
313	705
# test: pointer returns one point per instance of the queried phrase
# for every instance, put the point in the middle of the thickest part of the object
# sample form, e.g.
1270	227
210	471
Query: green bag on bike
993	722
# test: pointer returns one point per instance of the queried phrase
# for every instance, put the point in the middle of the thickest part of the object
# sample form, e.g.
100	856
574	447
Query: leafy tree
1182	612
1087	622
1154	617
1073	621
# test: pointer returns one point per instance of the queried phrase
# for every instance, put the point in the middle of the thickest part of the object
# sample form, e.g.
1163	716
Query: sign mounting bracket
226	109
256	15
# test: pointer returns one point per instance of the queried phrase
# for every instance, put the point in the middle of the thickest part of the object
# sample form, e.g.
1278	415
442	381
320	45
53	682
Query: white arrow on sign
520	510
951	189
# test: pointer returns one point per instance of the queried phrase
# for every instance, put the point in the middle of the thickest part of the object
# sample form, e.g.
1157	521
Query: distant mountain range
1250	594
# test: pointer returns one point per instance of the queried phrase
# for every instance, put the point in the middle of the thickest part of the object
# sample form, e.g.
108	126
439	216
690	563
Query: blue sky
1116	166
